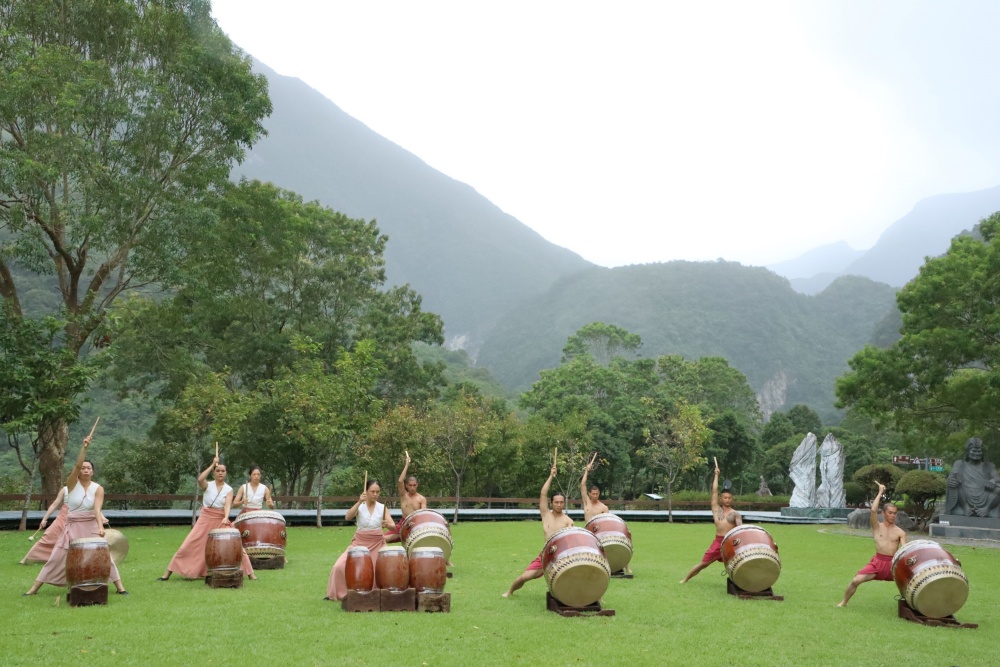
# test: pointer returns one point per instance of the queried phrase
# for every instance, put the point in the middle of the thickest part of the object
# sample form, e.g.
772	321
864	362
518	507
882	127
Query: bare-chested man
409	500
888	539
591	498
553	521
725	517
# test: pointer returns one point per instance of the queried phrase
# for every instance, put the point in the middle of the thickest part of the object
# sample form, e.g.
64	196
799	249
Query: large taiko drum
392	570
615	539
576	568
751	558
88	563
359	571
426	528
428	569
263	533
223	551
929	578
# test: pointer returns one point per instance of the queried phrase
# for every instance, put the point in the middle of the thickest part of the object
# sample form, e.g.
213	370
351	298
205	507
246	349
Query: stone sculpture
831	474
973	485
803	473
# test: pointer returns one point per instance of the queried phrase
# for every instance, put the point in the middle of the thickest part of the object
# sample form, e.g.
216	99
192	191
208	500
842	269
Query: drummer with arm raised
410	500
553	521
591	498
370	518
888	539
253	495
725	518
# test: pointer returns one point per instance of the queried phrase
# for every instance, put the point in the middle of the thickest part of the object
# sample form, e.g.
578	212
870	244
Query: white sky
633	132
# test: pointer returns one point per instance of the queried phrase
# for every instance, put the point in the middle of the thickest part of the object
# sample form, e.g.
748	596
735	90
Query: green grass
282	620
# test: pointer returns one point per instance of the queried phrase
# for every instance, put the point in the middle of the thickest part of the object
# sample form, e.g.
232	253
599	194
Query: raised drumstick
365	490
93	428
592	459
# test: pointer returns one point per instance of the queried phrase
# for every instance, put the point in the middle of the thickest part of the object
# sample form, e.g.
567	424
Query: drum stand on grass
594	609
275	563
79	596
621	574
225	579
766	594
910	614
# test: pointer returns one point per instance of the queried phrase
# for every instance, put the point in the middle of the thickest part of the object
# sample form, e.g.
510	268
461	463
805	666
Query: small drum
359	571
392	570
263	533
751	558
426	528
117	545
88	563
929	578
615	539
576	568
428	571
223	551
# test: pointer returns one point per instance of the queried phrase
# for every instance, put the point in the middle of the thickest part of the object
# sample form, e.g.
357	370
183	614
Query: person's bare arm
225	511
873	517
74	475
353	512
584	498
401	482
98	506
203	477
267	497
238	500
715	492
543	499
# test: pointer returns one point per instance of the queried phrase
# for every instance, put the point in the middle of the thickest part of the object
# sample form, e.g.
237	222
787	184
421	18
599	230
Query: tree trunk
319	501
27	494
458	498
670	502
52	439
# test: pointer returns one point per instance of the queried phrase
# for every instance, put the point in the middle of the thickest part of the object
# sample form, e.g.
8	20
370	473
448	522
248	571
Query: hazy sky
634	132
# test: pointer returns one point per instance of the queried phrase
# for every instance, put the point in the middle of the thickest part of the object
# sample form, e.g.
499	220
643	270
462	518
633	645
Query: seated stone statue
973	485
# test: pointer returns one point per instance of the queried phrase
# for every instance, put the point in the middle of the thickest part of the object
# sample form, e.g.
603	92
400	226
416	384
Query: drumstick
555	456
365	490
592	459
32	538
216	449
94	428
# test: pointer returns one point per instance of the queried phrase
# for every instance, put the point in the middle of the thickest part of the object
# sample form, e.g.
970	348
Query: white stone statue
803	473
831	474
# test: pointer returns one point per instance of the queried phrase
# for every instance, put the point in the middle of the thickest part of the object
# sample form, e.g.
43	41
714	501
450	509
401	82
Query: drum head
580	585
619	554
756	574
942	597
117	544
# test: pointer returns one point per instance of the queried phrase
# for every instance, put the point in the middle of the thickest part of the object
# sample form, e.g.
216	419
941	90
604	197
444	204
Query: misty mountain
790	346
896	258
469	260
832	259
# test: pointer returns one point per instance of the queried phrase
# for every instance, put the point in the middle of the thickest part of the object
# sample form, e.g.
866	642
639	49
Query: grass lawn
281	619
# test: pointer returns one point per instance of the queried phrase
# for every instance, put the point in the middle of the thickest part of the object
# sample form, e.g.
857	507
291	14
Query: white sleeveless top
370	520
213	497
80	499
252	500
65	497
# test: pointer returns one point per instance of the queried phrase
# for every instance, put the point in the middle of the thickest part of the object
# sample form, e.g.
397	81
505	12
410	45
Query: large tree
117	119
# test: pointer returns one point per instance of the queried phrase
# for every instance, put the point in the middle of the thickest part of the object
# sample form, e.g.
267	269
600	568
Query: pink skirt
336	587
189	561
41	551
78	525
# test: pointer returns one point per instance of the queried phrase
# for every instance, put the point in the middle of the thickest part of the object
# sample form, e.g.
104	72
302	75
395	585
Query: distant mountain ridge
469	260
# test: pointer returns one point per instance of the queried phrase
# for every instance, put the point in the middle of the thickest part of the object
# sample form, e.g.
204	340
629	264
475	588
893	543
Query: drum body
751	558
929	578
88	563
223	551
117	545
359	571
614	537
426	528
576	568
428	571
392	570
262	532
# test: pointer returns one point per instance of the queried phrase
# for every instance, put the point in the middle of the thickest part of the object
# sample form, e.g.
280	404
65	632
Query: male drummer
409	500
591	498
725	517
553	521
888	539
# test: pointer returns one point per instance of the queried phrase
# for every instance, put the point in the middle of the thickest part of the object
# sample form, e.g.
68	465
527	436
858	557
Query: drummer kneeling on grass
553	521
888	539
725	517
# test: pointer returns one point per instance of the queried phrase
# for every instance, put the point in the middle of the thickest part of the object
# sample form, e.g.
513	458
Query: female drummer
217	500
83	519
371	518
41	551
253	495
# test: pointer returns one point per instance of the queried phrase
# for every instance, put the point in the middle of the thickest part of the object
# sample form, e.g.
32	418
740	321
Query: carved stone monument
764	490
972	503
803	473
831	474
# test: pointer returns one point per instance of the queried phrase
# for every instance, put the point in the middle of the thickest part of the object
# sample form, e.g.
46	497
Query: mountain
790	346
469	260
830	259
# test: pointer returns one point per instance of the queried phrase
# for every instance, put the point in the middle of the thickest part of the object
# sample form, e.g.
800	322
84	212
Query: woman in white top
370	518
83	519
253	495
217	500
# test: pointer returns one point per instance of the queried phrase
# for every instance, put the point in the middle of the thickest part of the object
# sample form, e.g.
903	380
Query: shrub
922	489
878	472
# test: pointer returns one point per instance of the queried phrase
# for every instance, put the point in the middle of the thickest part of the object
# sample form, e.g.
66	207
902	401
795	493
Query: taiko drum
426	528
751	558
263	533
428	571
576	568
359	570
88	563
392	570
614	537
223	551
929	578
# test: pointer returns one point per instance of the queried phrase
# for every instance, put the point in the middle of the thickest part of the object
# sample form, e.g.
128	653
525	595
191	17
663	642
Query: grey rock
831	474
803	473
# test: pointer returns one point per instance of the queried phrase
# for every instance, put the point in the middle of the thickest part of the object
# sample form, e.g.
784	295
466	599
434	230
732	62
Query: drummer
591	498
216	500
84	519
553	521
253	495
370	518
725	518
41	551
409	499
888	539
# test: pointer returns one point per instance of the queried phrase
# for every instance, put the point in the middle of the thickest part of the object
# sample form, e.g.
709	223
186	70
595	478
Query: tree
675	445
805	420
941	377
118	118
603	342
777	429
922	489
870	475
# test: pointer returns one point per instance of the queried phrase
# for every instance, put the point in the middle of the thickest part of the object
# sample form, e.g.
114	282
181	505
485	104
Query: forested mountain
469	260
789	345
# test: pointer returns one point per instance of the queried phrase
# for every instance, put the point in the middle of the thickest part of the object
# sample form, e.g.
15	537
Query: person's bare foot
506	595
841	604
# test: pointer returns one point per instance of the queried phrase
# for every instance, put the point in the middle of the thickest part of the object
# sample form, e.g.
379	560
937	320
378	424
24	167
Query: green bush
885	473
855	494
921	489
